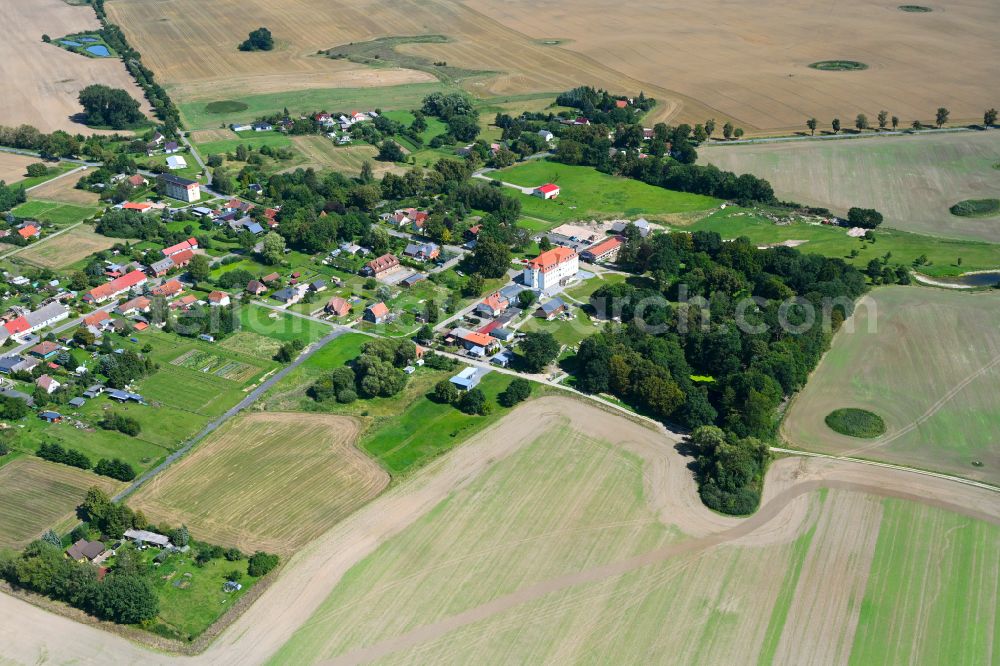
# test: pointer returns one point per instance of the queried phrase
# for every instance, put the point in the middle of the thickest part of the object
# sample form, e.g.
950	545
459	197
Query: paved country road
212	426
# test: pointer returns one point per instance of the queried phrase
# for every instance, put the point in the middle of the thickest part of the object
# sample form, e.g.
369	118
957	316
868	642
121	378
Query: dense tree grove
694	349
123	424
730	469
122	369
120	223
866	218
377	372
56	453
123	597
115	468
11	196
111	107
599	106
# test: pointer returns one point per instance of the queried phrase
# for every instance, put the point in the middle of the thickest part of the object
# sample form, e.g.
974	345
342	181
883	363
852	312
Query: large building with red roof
118	286
551	268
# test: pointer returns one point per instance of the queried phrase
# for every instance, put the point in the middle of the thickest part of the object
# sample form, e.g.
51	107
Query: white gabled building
551	268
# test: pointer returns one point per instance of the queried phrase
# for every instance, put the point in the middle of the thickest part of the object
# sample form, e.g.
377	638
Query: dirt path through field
29	634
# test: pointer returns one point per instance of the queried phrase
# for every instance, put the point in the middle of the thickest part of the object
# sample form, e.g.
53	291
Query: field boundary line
901	468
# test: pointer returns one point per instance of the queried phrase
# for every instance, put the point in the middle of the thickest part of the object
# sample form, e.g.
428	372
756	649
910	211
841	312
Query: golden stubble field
705	60
41	81
267	482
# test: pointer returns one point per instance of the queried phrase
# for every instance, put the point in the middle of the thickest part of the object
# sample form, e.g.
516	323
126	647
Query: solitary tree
727	130
883	119
895	122
367	174
989	118
273	248
861	122
917	125
199	269
942	116
811	124
710	127
835	125
258	40
738	132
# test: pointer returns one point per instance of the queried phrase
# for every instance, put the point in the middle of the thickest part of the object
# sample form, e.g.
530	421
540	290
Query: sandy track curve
30	634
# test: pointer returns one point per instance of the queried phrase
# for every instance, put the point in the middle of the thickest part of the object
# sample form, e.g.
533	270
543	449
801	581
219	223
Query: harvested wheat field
64	190
912	180
14	167
192	47
928	362
67	248
35	495
266	482
42	81
547	539
752	64
320	153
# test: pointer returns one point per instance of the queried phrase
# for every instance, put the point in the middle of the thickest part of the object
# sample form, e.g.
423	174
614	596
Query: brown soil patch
42	81
13	167
64	190
67	248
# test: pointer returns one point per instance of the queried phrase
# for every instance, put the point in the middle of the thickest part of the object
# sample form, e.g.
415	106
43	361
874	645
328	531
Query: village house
85	551
175	162
137	181
11	364
146	538
469	378
493	305
377	313
33	321
184	302
422	251
135	306
256	287
475	342
45	350
547	191
29	230
168	288
218	299
189	244
47	384
551	268
546	135
138	206
50	417
381	266
96	320
338	306
551	309
161	267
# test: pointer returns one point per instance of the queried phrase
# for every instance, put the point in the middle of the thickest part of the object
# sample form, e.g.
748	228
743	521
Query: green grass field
942	254
912	180
57	213
255	140
587	193
280	326
303	101
928	362
933	592
520	565
54	170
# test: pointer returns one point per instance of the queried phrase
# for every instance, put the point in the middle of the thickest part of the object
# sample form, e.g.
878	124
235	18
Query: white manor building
551	268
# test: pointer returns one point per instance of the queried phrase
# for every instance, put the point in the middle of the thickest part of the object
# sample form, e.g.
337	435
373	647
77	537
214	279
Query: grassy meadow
928	362
587	193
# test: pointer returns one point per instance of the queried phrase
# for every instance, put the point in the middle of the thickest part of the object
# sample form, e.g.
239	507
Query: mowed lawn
912	180
270	481
942	254
928	362
35	495
587	193
68	248
55	212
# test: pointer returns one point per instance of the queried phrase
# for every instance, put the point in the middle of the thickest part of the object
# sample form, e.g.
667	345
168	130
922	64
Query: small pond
99	50
69	42
89	40
987	279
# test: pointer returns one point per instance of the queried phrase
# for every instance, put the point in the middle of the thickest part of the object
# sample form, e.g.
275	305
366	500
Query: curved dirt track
30	634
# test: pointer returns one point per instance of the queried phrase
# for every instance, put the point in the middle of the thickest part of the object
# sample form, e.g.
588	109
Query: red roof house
189	244
117	286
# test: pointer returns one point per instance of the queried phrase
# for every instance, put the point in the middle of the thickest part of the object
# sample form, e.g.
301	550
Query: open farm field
321	153
67	248
911	180
192	47
37	494
562	533
586	193
13	167
64	191
928	362
42	81
942	254
267	482
58	213
564	550
754	66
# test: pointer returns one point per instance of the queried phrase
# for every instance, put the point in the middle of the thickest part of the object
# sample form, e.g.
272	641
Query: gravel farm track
30	634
